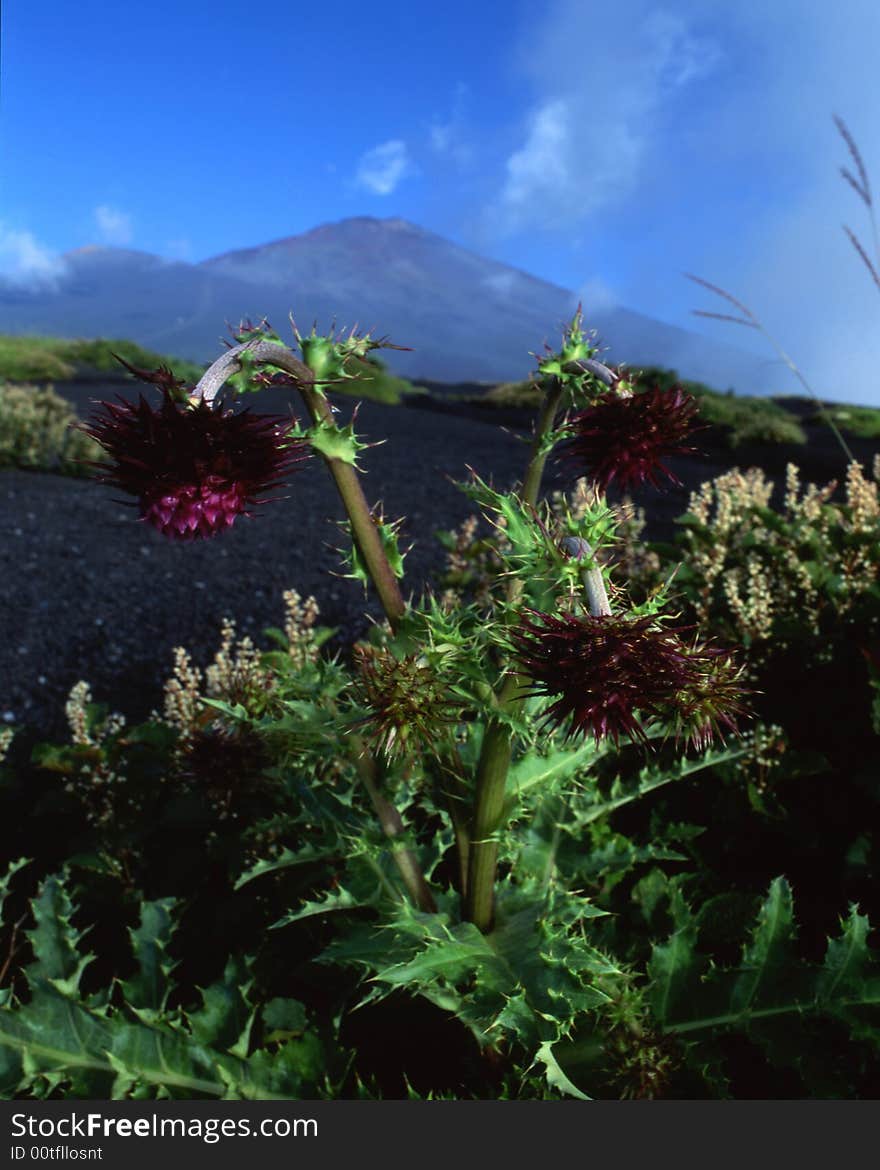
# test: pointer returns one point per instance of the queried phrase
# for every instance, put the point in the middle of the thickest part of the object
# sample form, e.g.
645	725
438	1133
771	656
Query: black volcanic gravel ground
87	592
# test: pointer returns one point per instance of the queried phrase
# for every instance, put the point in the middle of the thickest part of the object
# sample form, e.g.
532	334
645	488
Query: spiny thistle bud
192	467
713	700
624	439
408	702
608	673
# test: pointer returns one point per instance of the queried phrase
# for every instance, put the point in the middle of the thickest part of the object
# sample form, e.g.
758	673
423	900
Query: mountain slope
467	318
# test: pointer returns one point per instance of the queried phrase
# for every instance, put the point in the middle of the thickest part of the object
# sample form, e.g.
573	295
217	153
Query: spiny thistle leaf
674	965
555	1076
335	442
545	769
651	776
773	996
767	954
148	989
330	901
388	533
225	1018
309	854
55	940
847	960
6	880
57	1041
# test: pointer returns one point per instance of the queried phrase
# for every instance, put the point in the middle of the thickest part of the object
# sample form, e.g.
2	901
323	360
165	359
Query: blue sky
605	146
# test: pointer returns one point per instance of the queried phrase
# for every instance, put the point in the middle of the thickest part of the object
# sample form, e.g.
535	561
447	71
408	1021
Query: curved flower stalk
193	469
325	362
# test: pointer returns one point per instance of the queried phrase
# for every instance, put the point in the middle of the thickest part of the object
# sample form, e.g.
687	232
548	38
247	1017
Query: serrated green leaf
225	1019
535	769
766	955
6	880
651	777
674	966
148	989
54	939
287	859
556	1078
847	960
335	442
450	958
332	901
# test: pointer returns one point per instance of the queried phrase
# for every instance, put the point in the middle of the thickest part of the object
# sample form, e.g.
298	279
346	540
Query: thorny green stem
370	546
497	748
345	476
540	449
452	788
591	579
394	829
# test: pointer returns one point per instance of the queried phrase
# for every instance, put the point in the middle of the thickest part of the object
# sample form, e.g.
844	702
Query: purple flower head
608	674
192	468
625	439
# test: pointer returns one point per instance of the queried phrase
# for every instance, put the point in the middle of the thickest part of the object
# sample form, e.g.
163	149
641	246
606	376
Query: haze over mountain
467	318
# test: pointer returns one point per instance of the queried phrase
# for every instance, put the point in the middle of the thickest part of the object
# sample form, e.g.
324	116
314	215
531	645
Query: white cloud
700	135
679	55
595	295
381	169
446	137
25	262
113	224
540	169
590	128
505	282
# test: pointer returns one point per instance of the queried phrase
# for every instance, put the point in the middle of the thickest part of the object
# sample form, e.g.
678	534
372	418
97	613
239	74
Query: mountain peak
339	229
465	316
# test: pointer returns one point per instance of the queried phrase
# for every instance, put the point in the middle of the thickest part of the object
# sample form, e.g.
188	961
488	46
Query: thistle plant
436	816
472	685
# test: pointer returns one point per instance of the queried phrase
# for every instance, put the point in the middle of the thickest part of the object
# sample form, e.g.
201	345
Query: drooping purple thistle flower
624	439
607	674
193	468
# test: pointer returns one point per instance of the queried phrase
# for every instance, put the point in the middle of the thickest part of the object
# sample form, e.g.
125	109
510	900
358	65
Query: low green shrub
861	421
36	431
514	395
98	354
746	419
57	359
32	359
374	382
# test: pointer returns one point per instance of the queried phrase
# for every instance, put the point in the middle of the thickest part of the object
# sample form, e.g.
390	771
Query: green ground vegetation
32	360
745	418
59	359
861	421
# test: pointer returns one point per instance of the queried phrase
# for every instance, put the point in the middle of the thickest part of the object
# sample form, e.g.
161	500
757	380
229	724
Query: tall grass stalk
862	188
752	322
